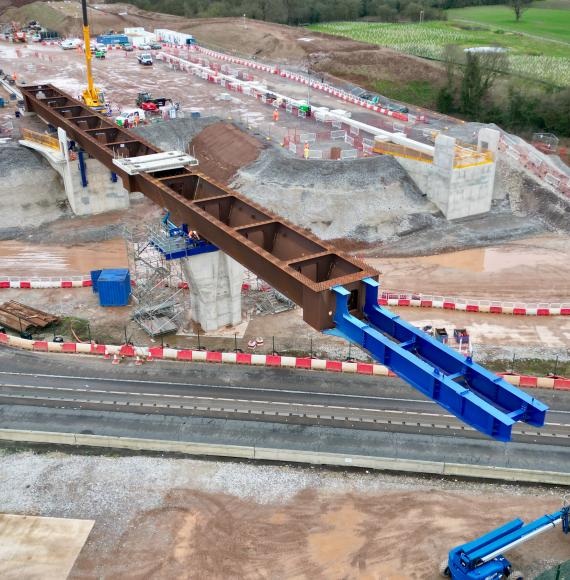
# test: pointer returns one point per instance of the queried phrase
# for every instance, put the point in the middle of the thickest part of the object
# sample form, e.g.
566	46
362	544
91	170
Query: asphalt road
244	392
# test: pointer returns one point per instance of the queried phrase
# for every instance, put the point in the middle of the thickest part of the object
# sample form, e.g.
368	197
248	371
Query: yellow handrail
401	151
464	156
40	138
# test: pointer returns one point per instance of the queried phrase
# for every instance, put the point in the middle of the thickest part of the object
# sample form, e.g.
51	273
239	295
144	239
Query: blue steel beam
473	394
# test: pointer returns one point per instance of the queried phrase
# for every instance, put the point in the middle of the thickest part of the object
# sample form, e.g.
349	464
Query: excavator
92	96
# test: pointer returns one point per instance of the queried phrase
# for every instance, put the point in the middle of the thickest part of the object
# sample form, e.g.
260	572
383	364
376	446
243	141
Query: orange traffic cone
138	361
106	355
116	359
149	357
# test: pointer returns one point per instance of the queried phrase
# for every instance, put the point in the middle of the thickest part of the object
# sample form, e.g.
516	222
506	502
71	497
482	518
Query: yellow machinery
92	96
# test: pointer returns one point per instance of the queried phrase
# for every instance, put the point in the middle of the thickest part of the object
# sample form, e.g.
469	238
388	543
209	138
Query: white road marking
200	397
258	402
288	391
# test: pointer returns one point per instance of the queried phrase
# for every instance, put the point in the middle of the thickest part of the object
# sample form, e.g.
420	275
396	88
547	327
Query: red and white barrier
393	298
45	282
161	353
552	382
386	298
320	86
530	158
343	95
117	352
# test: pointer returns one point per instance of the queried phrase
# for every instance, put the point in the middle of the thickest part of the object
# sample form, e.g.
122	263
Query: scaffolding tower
159	293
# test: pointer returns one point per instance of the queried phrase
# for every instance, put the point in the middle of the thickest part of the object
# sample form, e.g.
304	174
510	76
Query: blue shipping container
113	39
114	287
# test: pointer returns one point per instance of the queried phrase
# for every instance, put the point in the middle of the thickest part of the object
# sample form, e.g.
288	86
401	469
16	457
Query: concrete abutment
458	190
89	185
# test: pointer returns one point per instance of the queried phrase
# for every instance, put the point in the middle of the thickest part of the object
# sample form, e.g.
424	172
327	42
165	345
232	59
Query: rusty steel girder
295	262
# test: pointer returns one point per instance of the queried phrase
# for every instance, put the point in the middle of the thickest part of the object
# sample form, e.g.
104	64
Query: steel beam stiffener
337	292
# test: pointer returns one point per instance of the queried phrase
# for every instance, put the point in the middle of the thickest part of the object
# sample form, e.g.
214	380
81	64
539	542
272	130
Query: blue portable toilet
113	286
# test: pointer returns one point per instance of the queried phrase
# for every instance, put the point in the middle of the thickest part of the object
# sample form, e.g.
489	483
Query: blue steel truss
472	393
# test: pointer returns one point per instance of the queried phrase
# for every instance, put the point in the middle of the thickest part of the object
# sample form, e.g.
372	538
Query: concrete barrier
288	455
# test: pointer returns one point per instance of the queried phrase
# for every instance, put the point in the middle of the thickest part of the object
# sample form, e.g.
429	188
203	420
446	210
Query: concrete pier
91	193
215	282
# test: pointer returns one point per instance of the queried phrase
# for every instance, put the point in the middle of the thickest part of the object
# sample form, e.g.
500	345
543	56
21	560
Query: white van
70	43
129	115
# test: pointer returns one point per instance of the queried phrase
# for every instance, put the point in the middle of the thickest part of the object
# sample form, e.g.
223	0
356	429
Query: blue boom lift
482	559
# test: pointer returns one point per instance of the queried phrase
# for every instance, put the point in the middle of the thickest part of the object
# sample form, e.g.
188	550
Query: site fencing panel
308	137
349	154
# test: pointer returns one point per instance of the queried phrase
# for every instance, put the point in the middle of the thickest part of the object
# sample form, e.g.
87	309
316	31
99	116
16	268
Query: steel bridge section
338	293
292	260
473	394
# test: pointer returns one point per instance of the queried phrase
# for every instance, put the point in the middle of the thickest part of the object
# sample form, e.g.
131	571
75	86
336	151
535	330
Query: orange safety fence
41	138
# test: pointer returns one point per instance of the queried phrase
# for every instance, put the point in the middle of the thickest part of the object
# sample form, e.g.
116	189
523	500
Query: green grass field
542	22
530	57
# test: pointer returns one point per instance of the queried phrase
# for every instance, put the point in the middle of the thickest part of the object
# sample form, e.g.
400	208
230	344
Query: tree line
296	12
471	90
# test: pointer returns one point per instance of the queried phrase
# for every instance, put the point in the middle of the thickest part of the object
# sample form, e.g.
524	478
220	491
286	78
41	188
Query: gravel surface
143	505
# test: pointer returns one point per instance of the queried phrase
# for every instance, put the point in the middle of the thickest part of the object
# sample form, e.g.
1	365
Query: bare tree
453	58
519	6
479	74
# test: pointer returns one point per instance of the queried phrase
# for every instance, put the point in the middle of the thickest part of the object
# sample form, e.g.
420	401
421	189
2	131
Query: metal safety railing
464	156
41	138
401	151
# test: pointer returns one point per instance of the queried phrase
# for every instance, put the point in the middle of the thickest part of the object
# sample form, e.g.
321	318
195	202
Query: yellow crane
92	96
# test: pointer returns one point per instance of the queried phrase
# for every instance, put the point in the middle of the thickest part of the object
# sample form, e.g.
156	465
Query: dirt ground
338	57
531	270
19	259
185	518
222	149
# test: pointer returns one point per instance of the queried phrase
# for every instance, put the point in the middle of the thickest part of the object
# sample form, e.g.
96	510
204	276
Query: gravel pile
368	200
31	192
174	134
